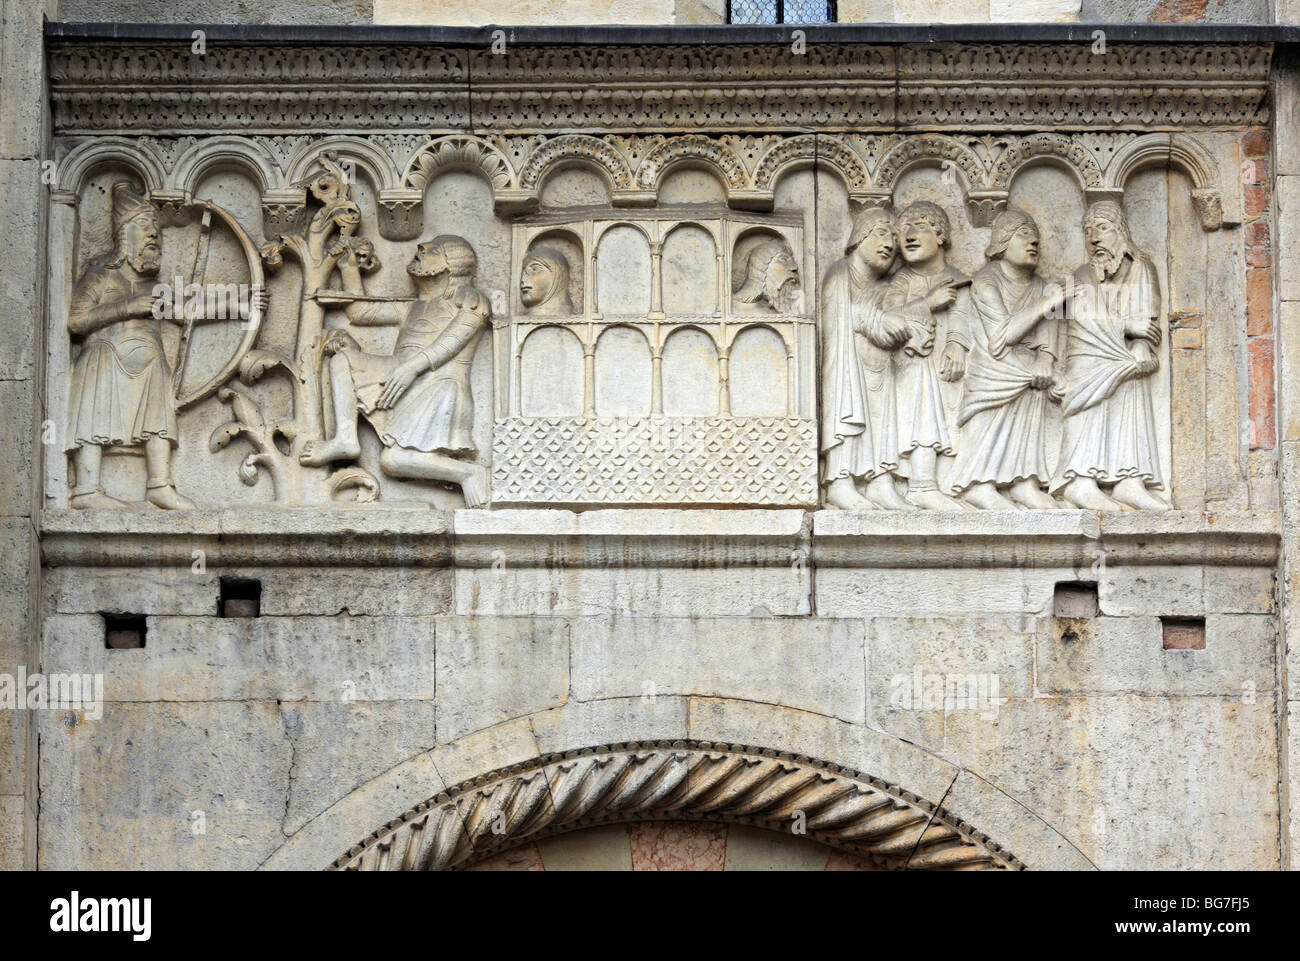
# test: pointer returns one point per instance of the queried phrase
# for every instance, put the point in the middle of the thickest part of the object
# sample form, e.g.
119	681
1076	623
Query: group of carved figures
884	418
890	339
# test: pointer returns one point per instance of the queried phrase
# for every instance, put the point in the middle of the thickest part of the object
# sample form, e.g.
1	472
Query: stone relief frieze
645	350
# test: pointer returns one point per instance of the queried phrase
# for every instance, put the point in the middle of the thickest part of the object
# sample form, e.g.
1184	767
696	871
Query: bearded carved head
1106	234
772	275
138	230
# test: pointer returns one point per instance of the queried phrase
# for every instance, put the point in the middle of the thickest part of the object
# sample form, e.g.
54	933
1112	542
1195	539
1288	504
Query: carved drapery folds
679	363
676	781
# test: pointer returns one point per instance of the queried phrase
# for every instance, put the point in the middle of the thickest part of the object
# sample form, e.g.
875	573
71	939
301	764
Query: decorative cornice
116	86
676	780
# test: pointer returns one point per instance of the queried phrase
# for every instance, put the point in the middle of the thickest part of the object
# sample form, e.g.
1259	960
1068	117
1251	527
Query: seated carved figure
1113	311
544	283
417	398
1001	451
859	423
771	280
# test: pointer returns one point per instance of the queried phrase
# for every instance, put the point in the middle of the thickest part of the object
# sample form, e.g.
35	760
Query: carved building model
587	357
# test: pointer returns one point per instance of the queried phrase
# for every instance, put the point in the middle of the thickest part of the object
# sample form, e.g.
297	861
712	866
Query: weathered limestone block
339	746
813	665
1114	655
1186	589
11	832
579	724
136	813
334	659
1204	757
495	669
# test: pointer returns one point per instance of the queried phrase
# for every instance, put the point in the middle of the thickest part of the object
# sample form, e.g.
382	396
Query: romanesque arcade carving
670	319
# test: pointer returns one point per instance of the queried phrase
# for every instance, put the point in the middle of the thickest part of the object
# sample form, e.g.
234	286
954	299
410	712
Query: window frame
832	12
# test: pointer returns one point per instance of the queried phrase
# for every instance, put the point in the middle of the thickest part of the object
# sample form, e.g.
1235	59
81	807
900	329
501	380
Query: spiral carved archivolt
679	780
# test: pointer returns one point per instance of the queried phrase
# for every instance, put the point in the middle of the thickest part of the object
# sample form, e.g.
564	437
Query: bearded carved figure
771	280
418	397
544	283
121	384
1109	454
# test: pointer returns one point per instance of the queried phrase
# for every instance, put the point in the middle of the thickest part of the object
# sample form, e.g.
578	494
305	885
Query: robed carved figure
859	421
1110	438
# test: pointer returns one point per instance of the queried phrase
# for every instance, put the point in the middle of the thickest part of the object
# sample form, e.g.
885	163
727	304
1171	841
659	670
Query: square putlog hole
1183	633
240	597
124	632
1075	600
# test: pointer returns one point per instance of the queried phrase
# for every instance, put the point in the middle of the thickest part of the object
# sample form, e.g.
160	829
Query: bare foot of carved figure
475	486
1084	493
96	499
318	453
168	499
1028	493
987	497
842	493
882	492
1133	492
934	499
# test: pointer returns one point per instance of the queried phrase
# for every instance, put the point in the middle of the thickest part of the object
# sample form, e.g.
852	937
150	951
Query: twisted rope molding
675	780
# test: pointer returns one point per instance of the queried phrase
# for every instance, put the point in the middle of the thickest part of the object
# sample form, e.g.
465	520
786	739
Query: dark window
781	11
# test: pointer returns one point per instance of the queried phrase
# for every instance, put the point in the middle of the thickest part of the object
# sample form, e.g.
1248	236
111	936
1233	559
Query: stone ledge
1064	538
698	538
309	537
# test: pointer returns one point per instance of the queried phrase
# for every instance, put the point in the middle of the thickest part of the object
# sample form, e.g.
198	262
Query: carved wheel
677	781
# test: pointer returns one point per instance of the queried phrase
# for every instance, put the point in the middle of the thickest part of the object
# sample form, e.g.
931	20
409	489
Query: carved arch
931	149
86	159
675	780
373	161
459	152
212	153
698	151
580	149
1177	150
1059	150
807	150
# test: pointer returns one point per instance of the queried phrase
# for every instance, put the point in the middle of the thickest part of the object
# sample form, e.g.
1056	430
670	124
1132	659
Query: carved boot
95	498
166	497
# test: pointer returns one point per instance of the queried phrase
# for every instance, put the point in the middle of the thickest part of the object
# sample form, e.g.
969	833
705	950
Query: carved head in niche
872	238
772	275
544	283
923	232
137	229
444	254
1014	238
1105	231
